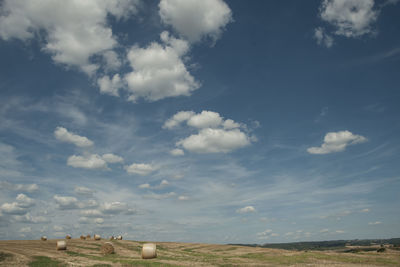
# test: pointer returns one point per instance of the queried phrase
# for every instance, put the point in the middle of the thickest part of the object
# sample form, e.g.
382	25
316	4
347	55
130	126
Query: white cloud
336	142
158	71
111	158
179	117
340	232
99	220
91	161
326	230
160	196
177	152
110	86
215	134
19	187
81	190
13	208
351	18
374	223
24	201
322	37
144	186
112	61
91	213
140	168
247	209
196	19
215	141
58	228
183	198
365	210
73	31
64	135
66	203
205	119
114	207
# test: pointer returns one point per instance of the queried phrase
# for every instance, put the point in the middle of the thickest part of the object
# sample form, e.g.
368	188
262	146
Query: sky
200	121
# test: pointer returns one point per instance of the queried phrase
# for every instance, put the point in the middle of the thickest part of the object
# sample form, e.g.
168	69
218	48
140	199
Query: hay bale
119	237
83	237
61	245
68	237
88	236
149	251
107	248
96	237
43	238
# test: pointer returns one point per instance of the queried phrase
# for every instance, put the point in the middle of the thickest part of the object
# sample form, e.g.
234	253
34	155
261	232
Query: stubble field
127	253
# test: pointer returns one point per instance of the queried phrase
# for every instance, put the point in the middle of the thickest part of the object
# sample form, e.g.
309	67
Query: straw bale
149	251
107	248
88	236
68	237
43	238
119	237
83	237
96	237
61	245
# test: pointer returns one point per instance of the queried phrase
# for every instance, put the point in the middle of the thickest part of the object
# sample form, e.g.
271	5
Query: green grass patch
4	256
43	261
101	265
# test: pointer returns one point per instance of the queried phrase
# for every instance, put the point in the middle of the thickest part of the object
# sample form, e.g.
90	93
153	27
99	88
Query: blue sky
200	121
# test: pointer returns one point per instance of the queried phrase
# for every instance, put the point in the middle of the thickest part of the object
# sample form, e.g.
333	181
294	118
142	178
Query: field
87	253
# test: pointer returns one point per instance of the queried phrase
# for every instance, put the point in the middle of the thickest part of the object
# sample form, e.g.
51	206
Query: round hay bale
83	237
88	236
107	248
68	237
96	237
119	237
43	238
61	245
149	251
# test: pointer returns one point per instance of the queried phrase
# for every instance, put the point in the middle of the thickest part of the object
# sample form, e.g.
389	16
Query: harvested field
128	253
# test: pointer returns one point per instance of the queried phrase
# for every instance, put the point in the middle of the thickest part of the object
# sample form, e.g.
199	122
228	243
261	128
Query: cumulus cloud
19	207
116	208
66	203
19	187
351	18
266	234
24	201
110	86
91	161
73	31
247	209
140	168
91	213
322	37
183	198
13	209
64	135
194	19
177	152
336	142
214	135
215	141
111	158
144	186
159	70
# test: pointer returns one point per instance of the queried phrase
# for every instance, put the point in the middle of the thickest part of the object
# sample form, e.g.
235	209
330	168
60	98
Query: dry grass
128	253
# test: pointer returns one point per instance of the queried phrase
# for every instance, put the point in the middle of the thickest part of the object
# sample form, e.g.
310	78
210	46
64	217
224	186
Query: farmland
127	253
